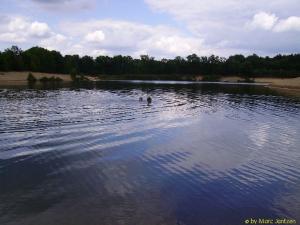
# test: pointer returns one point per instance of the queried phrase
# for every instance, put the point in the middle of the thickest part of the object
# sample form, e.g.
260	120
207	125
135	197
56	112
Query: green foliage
11	59
31	78
211	78
125	67
51	80
73	74
77	78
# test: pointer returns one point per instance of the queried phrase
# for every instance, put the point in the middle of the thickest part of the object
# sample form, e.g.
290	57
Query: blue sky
161	28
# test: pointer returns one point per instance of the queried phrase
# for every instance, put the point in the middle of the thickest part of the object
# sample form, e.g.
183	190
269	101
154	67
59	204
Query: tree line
37	59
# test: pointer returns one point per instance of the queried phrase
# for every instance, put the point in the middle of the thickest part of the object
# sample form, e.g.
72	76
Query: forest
37	59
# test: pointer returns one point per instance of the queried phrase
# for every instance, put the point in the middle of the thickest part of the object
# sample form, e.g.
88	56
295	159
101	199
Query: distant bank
20	78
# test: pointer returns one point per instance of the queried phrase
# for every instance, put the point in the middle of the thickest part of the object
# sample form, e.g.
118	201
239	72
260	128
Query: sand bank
16	78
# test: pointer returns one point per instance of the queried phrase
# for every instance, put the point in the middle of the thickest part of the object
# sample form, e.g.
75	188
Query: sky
160	28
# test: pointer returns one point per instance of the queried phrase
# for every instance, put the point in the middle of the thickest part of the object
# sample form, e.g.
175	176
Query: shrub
51	79
44	79
73	75
249	80
211	78
31	78
58	79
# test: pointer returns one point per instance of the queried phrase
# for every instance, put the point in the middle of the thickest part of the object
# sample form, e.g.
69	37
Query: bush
54	79
58	79
44	79
211	78
51	79
31	78
76	78
73	75
247	80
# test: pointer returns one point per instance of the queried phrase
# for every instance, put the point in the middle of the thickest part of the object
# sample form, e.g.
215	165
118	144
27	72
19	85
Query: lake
199	154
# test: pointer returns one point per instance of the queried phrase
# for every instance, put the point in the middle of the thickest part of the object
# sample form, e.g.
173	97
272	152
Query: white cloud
75	49
38	29
11	38
17	23
133	39
269	21
290	24
217	10
62	5
122	34
173	45
96	36
21	30
217	21
98	52
203	27
263	20
54	42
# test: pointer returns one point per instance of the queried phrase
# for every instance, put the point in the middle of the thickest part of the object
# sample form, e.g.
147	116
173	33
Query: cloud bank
261	26
203	27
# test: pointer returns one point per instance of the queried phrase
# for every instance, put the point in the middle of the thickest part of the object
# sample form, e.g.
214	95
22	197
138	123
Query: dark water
200	154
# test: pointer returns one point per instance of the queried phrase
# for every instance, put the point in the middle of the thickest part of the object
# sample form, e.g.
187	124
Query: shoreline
20	79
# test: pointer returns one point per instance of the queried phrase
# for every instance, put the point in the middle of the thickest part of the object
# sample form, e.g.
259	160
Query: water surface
200	154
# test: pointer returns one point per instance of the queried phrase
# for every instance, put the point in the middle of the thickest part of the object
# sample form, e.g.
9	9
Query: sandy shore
20	78
290	86
291	83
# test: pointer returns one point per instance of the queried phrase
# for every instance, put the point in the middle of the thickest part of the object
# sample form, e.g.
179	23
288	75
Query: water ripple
199	154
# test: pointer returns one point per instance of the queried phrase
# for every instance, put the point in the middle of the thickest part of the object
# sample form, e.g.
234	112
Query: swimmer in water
149	100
